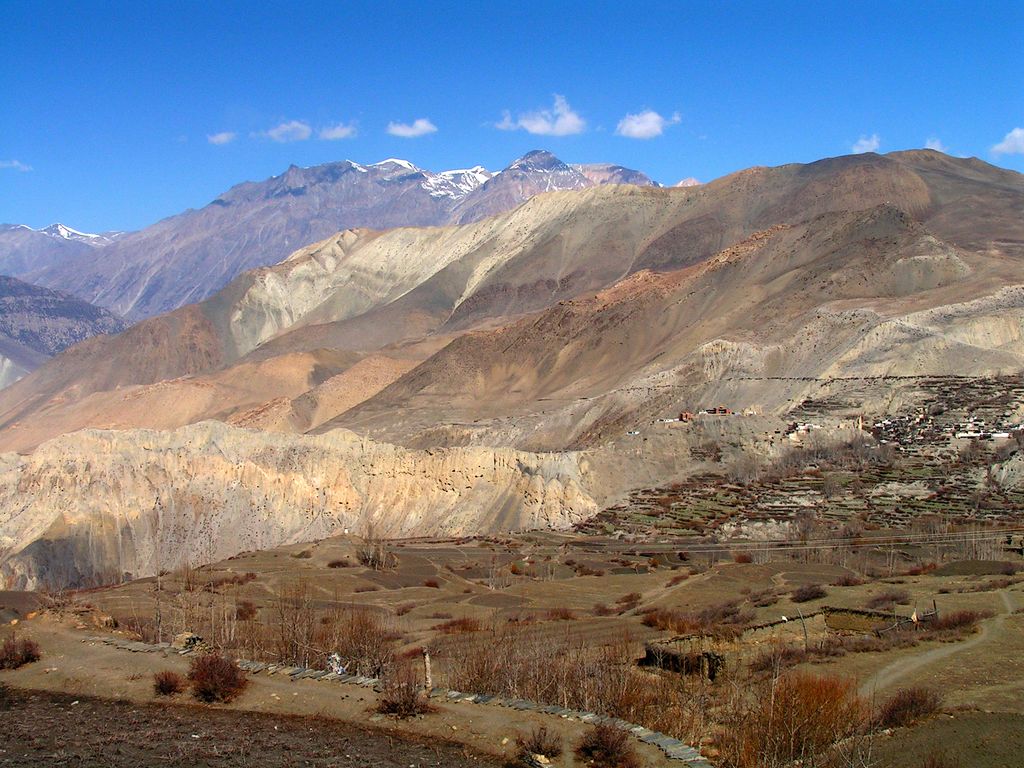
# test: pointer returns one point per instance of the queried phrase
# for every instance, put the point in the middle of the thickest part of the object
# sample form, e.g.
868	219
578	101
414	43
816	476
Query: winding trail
900	668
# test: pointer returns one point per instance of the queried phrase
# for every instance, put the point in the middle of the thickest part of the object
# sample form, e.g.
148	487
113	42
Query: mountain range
375	376
188	257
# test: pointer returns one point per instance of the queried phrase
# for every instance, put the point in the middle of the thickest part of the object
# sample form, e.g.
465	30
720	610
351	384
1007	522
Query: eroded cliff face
93	506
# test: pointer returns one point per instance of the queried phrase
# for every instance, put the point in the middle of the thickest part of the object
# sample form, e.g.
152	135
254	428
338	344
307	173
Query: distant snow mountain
190	256
24	249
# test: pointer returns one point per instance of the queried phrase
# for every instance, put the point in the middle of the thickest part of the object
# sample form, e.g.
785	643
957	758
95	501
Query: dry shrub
724	621
366	588
6	700
458	626
16	653
956	622
560	614
432	583
405	608
403	694
168	683
742	557
569	671
907	706
246	610
607	747
342	563
807	593
795	718
540	741
677	579
889	598
847	580
215	678
600	609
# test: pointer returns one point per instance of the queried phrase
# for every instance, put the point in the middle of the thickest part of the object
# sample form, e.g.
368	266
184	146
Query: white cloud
1012	143
16	165
560	120
645	125
420	127
866	144
933	142
224	137
293	130
339	131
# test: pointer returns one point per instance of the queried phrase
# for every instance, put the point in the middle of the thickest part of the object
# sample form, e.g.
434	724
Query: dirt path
897	670
76	667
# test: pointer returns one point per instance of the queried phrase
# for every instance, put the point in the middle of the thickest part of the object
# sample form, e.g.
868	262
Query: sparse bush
16	653
342	563
540	741
215	678
560	614
366	588
403	695
168	683
907	706
607	747
600	609
404	608
459	626
677	579
955	621
889	598
742	557
847	580
432	583
807	593
246	611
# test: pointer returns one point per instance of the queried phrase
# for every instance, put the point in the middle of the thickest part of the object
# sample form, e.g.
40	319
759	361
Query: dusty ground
58	729
75	668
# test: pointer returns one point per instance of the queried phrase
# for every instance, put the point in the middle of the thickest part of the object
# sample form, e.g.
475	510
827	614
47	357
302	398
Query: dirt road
902	668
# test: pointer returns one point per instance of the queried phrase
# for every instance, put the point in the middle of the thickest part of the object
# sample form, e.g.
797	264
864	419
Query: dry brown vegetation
17	652
168	683
795	718
907	706
403	694
539	741
607	747
214	678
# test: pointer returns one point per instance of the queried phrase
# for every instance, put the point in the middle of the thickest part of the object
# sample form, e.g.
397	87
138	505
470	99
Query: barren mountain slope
844	294
93	506
362	291
37	323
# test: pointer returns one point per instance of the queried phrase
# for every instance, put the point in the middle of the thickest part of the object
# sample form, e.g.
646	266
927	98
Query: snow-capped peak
456	184
63	232
395	161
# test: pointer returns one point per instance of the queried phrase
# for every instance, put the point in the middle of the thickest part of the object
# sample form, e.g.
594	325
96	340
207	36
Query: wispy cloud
1012	143
16	165
933	142
645	125
560	120
292	130
866	144
420	127
339	131
224	137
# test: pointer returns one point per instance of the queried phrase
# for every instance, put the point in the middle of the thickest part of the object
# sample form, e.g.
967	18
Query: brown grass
560	614
214	678
168	683
889	598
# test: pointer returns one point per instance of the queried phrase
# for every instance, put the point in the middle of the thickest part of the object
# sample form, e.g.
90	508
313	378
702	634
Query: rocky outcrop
98	506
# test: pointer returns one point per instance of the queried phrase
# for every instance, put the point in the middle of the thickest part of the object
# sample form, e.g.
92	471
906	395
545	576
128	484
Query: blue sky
109	112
